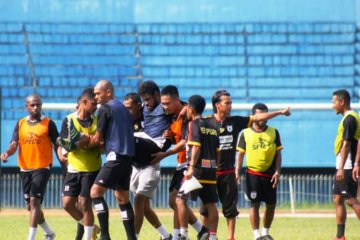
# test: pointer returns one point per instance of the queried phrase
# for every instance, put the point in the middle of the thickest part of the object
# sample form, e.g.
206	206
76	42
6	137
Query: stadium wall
139	11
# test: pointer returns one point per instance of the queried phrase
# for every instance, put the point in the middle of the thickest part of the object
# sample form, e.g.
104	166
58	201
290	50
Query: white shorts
145	180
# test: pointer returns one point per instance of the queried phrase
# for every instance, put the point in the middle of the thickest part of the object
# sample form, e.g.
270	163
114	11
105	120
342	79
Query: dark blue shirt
156	121
117	127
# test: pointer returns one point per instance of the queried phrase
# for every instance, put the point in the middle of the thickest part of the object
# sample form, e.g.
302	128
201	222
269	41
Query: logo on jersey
32	139
253	195
262	144
229	128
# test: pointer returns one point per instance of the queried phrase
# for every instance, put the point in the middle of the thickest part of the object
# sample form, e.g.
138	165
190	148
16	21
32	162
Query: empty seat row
83	60
79	28
14	70
10	49
82	38
202	82
11	38
192	72
13	59
192	60
300	82
191	50
192	39
291	93
301	60
83	49
10	81
11	27
301	49
294	71
95	71
82	82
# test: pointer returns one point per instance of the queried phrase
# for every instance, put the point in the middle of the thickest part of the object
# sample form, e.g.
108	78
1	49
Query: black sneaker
267	237
168	238
182	237
203	234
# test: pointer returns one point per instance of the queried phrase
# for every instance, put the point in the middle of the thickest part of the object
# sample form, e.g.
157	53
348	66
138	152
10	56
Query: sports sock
102	212
79	231
176	232
265	231
256	233
184	232
340	230
88	232
127	215
32	233
163	232
212	235
46	228
197	226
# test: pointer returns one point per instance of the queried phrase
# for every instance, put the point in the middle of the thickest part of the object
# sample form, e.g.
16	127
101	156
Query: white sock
184	232
88	232
176	232
256	233
265	231
212	236
32	233
163	232
46	228
197	226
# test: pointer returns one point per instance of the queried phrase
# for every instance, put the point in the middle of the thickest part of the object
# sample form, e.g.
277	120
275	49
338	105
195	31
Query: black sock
340	230
127	214
79	231
102	212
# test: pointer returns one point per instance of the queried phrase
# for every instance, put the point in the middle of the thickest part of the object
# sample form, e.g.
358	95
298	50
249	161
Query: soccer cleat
95	232
182	237
260	238
168	238
50	236
203	234
267	237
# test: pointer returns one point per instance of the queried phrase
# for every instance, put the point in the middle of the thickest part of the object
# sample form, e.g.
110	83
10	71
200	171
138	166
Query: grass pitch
305	225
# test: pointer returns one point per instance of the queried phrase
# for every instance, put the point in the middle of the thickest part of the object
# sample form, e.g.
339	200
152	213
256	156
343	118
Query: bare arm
195	154
180	146
268	115
276	176
10	151
344	152
356	169
238	165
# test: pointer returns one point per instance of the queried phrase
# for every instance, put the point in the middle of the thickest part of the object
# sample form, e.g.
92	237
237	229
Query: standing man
82	165
229	128
261	143
178	132
203	142
35	135
194	110
145	176
348	134
115	129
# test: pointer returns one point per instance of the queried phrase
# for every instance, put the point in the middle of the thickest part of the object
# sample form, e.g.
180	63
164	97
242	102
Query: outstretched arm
268	115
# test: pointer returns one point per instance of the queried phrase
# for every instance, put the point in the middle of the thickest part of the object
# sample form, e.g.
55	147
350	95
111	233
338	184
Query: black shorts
78	184
177	179
207	194
115	174
347	188
34	183
259	188
228	194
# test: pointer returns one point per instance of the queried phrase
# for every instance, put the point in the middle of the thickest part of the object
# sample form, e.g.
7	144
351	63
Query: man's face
338	104
33	105
89	105
169	103
150	101
260	123
101	96
134	108
224	105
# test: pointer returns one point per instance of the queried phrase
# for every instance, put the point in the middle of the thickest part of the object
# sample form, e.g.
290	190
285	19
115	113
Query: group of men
137	134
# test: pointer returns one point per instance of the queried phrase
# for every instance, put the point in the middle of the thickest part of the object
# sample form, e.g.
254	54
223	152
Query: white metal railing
235	106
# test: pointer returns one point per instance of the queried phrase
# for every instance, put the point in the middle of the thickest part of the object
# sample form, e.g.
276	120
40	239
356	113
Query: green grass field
14	226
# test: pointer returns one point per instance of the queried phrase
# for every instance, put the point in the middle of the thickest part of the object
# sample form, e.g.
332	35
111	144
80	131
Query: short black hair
343	94
148	87
217	97
170	90
259	106
88	93
134	97
198	103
